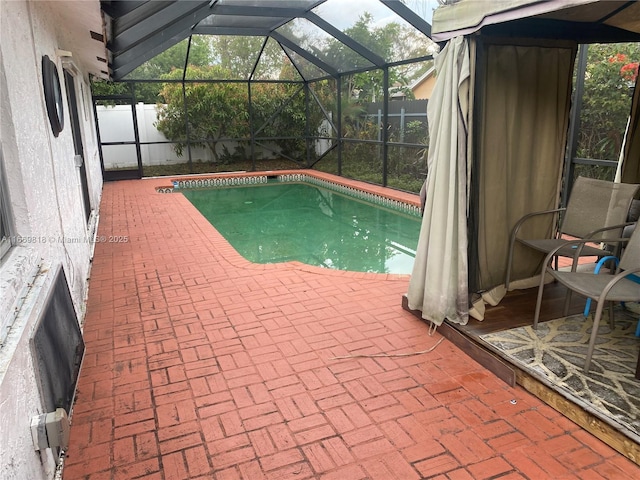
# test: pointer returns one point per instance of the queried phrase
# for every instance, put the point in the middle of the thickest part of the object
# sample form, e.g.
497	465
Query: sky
343	13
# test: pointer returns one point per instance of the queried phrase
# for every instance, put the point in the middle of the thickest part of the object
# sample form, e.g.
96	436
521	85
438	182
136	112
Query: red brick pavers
200	365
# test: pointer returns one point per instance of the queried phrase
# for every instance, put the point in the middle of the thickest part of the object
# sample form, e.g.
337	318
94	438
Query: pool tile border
409	208
350	191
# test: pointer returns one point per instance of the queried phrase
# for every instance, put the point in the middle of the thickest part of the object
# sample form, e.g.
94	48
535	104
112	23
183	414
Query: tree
104	87
607	99
175	58
220	110
163	63
216	110
244	56
236	54
393	41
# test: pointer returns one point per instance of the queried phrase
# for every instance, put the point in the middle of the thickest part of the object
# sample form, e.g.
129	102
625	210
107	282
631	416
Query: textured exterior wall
48	223
423	90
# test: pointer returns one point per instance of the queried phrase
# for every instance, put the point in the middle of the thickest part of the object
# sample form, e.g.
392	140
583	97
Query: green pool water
280	222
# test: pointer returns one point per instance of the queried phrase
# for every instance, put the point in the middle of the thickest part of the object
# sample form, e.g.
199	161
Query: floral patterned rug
555	354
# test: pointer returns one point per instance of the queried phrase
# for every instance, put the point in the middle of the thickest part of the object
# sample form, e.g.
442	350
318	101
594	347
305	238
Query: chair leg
594	334
567	303
611	319
536	316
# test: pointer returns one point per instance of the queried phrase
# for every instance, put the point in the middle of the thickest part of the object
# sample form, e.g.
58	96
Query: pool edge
385	196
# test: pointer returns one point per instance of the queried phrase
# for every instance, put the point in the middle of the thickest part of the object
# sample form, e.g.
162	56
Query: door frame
124	174
76	133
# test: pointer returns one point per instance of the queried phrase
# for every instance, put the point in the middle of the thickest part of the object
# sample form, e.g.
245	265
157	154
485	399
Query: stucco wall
46	206
423	90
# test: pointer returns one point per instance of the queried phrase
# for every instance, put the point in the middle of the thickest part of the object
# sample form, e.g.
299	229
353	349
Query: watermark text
33	239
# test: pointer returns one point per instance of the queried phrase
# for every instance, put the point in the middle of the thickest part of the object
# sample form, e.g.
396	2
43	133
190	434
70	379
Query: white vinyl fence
116	125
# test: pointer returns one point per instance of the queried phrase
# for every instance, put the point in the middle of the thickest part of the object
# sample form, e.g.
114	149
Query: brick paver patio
200	365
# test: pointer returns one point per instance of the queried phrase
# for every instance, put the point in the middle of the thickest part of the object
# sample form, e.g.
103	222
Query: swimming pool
274	222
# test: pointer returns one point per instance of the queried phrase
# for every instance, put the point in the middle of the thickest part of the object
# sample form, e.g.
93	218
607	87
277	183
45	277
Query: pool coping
388	197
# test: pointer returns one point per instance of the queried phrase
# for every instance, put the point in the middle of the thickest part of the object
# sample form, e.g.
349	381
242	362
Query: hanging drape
438	285
524	94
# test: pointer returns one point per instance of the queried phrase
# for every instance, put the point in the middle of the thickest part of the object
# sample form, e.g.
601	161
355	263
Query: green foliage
161	64
145	92
606	100
175	58
103	87
391	41
237	55
406	168
362	161
362	127
239	154
602	172
379	40
416	132
279	111
220	110
197	166
216	110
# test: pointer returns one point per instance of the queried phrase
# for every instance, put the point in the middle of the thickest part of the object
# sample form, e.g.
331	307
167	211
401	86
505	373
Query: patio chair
623	286
597	209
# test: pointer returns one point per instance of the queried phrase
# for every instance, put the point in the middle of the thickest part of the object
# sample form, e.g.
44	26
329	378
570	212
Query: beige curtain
438	285
522	121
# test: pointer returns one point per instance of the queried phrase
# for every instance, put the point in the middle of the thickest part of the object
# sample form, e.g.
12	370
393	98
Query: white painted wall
45	200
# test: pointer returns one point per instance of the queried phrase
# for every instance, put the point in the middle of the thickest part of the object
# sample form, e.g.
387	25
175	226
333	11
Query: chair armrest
578	252
514	236
604	229
579	243
519	223
616	279
602	261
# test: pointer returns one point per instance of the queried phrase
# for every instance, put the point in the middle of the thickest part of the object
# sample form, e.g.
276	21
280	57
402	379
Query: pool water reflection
280	222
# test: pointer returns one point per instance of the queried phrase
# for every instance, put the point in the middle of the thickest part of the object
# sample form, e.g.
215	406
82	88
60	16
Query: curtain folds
439	282
525	96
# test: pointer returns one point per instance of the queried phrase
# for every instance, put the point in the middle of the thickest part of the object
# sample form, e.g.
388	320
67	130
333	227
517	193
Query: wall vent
57	346
96	36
